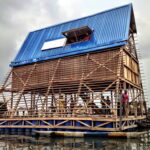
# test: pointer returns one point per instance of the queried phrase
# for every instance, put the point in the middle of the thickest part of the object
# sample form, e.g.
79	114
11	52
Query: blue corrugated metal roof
111	28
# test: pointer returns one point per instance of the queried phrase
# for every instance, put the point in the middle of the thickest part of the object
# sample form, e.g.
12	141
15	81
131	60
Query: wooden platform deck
108	123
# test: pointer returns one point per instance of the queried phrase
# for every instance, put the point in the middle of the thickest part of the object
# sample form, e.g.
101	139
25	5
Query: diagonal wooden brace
21	92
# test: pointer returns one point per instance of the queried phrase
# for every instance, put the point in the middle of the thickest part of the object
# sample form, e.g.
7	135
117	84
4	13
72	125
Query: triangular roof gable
132	21
110	29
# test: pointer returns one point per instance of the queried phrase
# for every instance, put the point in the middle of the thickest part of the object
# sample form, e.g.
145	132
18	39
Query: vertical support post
31	101
92	95
30	109
134	103
65	105
26	103
11	100
130	90
111	97
52	104
46	105
73	104
141	102
124	86
116	97
120	61
120	64
33	104
138	102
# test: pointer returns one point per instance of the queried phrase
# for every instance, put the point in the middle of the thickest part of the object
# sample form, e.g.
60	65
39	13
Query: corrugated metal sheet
111	28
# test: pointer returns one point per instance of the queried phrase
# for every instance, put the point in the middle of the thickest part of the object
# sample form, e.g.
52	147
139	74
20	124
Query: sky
19	17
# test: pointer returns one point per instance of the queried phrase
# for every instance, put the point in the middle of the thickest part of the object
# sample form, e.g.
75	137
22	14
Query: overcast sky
19	17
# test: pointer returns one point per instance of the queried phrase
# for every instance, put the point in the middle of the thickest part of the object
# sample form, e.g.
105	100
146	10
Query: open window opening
78	35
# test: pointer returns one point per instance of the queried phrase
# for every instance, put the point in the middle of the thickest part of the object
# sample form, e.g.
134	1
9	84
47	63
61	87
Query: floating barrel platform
66	125
89	134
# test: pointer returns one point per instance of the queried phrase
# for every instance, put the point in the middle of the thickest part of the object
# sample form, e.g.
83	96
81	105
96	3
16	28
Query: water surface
18	142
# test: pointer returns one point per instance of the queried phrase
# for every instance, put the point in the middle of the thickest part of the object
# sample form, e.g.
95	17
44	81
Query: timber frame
66	93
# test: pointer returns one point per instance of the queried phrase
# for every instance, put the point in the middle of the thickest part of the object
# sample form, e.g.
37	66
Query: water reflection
15	142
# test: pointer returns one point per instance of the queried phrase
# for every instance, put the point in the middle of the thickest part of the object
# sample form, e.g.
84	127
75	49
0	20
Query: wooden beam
47	123
83	123
30	123
105	123
25	102
103	65
58	124
100	65
19	77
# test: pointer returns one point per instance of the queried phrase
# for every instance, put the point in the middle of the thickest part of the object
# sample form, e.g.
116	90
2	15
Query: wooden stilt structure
69	93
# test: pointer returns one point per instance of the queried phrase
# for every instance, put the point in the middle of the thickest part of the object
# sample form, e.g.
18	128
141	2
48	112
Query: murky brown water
17	142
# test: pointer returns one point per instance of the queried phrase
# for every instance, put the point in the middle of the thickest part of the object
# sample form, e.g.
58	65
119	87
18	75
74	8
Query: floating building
71	76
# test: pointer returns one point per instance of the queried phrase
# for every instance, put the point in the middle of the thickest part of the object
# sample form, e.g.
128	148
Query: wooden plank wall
131	69
70	69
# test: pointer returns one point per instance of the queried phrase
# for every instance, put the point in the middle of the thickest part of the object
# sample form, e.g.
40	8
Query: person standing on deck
125	101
